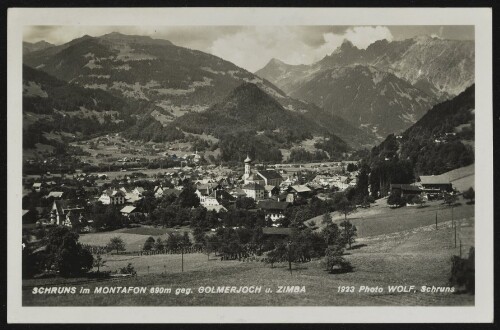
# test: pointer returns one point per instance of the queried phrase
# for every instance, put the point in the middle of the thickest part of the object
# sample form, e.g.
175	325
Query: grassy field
133	238
418	256
381	219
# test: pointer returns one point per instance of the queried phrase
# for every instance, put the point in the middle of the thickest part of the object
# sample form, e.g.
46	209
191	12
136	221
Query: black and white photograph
322	163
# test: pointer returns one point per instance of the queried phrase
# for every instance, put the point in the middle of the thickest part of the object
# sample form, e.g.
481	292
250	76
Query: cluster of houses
272	191
429	187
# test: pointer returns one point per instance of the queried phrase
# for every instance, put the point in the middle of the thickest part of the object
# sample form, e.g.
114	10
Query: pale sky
251	47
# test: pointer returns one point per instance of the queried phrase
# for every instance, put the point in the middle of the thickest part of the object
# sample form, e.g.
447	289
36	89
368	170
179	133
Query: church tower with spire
248	171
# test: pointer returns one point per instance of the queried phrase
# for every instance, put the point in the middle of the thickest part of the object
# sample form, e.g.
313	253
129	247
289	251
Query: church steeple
248	164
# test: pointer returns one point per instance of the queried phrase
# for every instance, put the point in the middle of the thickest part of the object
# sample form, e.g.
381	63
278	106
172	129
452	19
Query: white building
112	197
254	190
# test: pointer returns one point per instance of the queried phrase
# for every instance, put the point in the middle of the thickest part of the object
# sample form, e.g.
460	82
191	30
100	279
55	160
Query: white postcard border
481	18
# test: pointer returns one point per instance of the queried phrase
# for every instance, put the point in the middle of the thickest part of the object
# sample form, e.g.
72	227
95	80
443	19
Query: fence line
95	249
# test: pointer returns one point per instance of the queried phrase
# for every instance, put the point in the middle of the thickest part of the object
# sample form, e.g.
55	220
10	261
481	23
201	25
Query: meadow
419	256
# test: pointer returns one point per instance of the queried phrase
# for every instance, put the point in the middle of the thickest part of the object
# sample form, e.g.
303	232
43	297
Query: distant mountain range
29	47
167	81
407	78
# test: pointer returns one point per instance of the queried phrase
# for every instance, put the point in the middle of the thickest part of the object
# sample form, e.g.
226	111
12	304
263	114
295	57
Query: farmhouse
297	191
273	210
276	232
432	183
405	189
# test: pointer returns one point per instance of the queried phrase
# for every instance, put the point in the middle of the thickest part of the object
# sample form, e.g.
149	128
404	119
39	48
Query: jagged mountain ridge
171	80
446	65
366	97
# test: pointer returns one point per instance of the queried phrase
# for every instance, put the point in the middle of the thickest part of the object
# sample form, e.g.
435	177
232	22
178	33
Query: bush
395	200
65	254
463	272
334	261
128	270
149	244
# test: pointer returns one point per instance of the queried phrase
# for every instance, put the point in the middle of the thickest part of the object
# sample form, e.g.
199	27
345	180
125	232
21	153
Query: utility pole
182	259
460	249
436	220
455	235
454	226
289	257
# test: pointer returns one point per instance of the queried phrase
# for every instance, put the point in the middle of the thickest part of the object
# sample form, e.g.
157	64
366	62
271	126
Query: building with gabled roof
61	209
273	210
254	190
128	210
112	197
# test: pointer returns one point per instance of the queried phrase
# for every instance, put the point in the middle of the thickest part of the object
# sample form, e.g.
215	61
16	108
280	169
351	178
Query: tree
199	235
417	199
343	205
98	262
185	241
278	254
349	232
158	246
65	254
351	167
326	219
149	244
450	199
245	203
187	198
331	234
334	260
116	243
395	199
470	195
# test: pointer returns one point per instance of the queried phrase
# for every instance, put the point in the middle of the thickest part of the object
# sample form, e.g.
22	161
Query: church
264	178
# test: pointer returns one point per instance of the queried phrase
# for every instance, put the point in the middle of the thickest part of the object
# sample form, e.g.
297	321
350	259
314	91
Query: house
128	210
138	191
216	208
436	183
210	200
64	212
276	232
55	194
37	186
158	191
273	210
254	190
112	197
297	191
271	190
238	192
404	189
